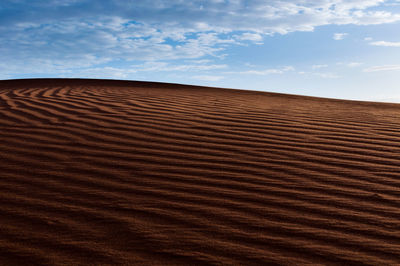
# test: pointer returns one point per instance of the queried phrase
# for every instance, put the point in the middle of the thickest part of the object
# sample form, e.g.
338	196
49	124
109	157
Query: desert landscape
108	172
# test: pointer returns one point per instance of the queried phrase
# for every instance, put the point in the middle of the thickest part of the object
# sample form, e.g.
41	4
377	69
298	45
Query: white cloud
263	72
382	68
110	72
208	78
164	66
353	64
368	39
318	66
350	64
288	68
201	61
386	44
374	17
266	71
325	75
339	36
247	36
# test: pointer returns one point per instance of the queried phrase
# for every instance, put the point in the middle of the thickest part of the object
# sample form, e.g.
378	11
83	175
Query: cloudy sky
346	49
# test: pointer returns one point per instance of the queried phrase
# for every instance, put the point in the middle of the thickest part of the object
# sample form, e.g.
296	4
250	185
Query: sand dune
118	172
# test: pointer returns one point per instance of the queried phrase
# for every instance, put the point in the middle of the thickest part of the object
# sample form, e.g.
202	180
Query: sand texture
115	172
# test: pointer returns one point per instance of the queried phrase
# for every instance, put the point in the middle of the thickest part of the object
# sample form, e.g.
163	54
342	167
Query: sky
327	48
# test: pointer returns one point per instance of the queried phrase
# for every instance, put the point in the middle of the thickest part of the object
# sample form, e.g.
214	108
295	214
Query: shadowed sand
118	172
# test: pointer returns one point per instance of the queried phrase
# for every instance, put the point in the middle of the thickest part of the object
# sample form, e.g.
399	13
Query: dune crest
118	172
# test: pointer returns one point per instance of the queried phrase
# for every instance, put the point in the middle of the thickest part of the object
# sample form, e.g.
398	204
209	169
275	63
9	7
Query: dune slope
117	172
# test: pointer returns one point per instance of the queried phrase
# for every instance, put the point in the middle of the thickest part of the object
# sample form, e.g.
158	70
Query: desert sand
117	172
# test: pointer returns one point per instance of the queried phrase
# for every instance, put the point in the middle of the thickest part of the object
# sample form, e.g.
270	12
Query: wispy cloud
325	75
318	66
339	36
110	72
386	44
247	36
164	66
353	64
208	77
350	64
266	71
382	68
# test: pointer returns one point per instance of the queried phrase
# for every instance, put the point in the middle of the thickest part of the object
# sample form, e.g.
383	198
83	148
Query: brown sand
117	172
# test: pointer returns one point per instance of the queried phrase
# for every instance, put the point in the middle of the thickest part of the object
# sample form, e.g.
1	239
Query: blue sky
328	48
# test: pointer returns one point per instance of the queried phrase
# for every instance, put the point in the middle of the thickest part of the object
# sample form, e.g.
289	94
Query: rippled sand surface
117	172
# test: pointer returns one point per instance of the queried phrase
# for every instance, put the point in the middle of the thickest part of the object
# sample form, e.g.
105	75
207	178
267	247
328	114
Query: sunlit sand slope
116	172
